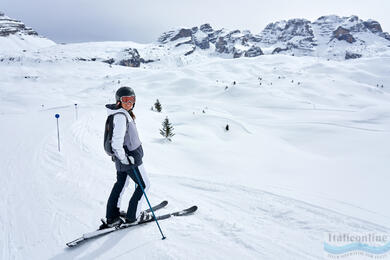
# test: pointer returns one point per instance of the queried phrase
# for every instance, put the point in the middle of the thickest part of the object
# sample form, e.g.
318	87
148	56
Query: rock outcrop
131	59
343	34
351	55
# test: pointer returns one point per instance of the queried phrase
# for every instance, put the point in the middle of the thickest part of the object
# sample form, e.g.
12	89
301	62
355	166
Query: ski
183	212
122	214
155	208
102	232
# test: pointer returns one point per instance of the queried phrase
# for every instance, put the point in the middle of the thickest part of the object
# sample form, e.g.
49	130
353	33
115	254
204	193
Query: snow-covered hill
306	153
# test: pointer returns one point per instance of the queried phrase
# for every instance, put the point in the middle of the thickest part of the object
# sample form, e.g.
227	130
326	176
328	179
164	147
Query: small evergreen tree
157	106
167	129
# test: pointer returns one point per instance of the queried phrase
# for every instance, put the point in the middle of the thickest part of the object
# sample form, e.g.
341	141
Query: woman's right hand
125	161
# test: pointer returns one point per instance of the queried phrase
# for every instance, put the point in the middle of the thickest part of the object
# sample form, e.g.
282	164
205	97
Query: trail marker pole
58	132
75	107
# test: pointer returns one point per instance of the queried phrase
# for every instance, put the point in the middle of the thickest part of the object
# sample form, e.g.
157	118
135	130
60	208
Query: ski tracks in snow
232	221
257	223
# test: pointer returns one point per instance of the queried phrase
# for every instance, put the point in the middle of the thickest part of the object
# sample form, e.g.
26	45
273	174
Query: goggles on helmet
128	99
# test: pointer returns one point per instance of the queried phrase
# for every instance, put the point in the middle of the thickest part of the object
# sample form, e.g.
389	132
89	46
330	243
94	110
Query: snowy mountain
331	37
15	36
234	44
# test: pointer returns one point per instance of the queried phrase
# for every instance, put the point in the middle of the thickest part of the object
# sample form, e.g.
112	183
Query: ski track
272	217
264	210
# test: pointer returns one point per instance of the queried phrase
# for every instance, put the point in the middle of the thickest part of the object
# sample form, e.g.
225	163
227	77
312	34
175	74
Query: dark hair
132	114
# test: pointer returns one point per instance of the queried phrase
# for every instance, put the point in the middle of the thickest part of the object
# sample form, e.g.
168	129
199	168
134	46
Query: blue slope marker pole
58	132
150	206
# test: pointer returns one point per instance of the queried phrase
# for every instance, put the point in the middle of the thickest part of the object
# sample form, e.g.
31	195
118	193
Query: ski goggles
128	99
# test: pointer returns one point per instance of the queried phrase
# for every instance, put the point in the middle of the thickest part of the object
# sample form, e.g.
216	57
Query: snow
299	159
17	43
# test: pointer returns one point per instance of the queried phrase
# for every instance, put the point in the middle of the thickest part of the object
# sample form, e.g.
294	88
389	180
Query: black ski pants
135	203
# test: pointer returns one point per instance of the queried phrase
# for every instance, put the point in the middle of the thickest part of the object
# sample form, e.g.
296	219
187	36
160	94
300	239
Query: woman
128	155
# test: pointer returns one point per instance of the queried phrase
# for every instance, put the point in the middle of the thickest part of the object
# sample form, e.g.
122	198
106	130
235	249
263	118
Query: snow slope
300	159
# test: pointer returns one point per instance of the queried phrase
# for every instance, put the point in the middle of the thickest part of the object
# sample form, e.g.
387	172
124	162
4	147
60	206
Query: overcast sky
144	20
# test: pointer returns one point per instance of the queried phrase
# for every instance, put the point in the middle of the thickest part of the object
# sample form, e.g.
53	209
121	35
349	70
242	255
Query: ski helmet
124	92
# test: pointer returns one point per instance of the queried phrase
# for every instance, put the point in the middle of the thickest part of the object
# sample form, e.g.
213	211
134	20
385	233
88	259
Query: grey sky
144	20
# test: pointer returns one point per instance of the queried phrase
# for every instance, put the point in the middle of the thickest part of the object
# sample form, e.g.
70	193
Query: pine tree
157	105
167	129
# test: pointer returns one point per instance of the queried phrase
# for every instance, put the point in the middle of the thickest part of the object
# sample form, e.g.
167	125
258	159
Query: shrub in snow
157	106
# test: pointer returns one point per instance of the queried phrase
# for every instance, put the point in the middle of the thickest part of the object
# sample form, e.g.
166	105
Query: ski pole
150	206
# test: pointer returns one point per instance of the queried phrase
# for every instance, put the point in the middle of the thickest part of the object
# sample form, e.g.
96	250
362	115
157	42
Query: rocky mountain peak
291	34
324	36
301	37
230	43
329	36
9	26
352	23
206	28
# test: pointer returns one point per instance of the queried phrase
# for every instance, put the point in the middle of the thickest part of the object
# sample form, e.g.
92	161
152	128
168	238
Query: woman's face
127	102
127	105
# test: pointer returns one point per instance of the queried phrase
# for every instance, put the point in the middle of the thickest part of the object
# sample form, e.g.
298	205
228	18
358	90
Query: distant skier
122	138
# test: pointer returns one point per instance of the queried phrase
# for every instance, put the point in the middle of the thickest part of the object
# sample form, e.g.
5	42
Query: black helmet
124	92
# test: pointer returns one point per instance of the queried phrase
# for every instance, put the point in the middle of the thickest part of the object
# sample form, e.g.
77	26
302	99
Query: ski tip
75	242
70	244
192	209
